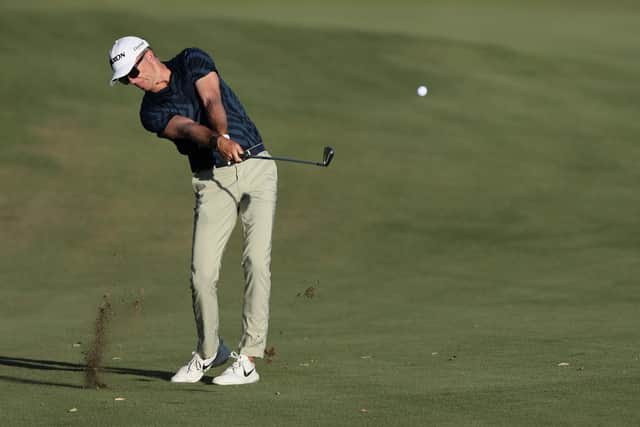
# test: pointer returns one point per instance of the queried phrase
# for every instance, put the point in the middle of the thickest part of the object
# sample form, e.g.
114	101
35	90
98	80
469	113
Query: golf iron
327	156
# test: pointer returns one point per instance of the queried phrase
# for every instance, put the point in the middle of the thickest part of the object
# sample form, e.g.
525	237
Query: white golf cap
123	54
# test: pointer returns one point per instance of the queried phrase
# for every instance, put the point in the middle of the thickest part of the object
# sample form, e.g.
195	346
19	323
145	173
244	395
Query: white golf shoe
193	371
242	371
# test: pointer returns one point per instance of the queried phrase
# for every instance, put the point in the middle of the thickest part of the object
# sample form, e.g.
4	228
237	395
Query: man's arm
181	127
208	88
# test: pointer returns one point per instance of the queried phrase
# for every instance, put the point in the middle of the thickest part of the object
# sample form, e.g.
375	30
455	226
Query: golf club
327	156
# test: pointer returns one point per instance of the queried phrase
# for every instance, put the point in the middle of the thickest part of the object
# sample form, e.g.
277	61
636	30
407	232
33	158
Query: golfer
187	101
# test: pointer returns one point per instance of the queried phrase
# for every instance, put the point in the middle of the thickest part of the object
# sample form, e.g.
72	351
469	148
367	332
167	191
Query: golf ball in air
422	90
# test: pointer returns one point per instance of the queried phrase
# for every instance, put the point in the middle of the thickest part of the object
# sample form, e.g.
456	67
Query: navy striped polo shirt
180	97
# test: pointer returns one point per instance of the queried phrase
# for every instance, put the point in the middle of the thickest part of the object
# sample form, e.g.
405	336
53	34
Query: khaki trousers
247	189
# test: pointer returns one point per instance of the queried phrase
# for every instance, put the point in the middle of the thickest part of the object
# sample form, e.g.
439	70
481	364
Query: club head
327	156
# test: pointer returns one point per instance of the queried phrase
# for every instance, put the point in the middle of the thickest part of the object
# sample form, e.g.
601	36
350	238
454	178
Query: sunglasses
135	72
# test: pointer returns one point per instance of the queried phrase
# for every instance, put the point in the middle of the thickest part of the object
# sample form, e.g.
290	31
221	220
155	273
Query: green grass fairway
461	245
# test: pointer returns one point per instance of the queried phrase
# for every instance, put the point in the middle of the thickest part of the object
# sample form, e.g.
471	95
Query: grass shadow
36	382
52	365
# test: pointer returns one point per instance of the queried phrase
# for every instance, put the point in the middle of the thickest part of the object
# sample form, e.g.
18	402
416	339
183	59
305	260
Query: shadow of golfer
52	365
36	382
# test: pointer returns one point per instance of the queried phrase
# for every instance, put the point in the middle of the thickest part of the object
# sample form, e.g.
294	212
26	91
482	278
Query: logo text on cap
116	58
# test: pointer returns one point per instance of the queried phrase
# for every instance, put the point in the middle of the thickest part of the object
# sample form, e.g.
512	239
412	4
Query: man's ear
152	55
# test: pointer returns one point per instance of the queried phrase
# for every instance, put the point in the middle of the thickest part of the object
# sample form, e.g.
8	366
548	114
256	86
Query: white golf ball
422	90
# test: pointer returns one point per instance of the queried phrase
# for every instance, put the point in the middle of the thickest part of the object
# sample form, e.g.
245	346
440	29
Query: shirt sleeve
155	119
199	63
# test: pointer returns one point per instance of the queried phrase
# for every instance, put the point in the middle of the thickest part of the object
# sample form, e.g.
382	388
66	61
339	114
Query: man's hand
230	150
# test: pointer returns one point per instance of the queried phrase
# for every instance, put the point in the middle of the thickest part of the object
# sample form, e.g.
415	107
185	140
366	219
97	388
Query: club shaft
284	159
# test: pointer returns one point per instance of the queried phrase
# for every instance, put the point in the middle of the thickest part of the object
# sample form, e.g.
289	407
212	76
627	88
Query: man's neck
164	77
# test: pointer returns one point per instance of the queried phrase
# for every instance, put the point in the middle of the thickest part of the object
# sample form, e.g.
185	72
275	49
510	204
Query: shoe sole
186	381
253	381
